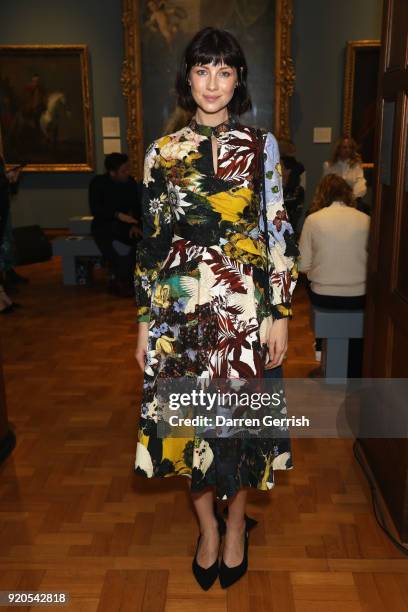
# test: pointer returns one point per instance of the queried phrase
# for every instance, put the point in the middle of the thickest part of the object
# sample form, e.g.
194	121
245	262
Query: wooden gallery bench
79	252
337	327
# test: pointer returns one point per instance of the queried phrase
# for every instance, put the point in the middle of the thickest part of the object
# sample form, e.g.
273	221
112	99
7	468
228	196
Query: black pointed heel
207	576
250	522
229	575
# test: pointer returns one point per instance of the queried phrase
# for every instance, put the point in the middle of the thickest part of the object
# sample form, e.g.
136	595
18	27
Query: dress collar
208	130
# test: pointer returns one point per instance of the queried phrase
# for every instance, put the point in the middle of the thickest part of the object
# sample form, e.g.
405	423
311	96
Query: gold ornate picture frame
45	108
360	95
284	77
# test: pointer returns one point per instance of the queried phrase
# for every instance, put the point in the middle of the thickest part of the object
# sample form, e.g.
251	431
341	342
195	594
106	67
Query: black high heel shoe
229	575
207	576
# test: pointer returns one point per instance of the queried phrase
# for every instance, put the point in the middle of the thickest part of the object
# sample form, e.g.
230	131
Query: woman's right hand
141	345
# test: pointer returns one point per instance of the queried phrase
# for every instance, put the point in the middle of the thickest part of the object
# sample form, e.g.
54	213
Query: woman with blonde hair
346	162
333	254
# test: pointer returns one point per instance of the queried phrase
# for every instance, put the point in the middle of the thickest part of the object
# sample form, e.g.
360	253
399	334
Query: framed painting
360	95
156	34
45	108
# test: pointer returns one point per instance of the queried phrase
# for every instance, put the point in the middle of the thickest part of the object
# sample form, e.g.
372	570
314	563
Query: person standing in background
346	162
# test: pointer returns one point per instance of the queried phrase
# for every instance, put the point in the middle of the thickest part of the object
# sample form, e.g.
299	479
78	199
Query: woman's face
345	149
212	87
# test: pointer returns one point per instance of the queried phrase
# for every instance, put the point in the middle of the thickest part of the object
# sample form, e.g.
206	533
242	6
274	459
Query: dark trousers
341	302
104	236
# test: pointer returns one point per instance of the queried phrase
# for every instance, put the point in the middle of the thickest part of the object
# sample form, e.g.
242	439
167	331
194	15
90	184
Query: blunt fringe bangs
212	45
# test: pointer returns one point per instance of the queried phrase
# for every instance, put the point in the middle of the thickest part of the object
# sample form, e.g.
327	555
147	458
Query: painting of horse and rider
45	109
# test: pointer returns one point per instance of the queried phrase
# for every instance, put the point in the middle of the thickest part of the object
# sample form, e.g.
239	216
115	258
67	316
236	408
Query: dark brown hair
331	188
211	45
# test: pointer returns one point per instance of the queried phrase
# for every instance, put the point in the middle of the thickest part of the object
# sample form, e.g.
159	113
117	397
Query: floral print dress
201	282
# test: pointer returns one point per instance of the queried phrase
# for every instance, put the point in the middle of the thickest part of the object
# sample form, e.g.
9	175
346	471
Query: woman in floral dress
204	308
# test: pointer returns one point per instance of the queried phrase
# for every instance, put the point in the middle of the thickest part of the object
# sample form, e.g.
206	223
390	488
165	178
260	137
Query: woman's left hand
277	343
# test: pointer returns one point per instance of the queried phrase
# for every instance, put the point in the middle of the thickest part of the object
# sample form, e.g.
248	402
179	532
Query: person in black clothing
115	203
8	186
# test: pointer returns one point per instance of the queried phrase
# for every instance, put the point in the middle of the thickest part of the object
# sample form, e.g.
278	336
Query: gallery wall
49	199
320	32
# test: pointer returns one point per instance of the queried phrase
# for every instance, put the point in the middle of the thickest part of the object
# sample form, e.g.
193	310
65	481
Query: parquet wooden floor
75	518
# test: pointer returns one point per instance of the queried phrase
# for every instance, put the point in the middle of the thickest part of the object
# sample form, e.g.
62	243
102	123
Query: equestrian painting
45	111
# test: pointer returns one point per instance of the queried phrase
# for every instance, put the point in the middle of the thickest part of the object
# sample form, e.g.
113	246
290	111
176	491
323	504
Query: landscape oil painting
45	108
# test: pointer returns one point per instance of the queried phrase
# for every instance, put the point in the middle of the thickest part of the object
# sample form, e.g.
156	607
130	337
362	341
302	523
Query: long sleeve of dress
283	249
154	247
